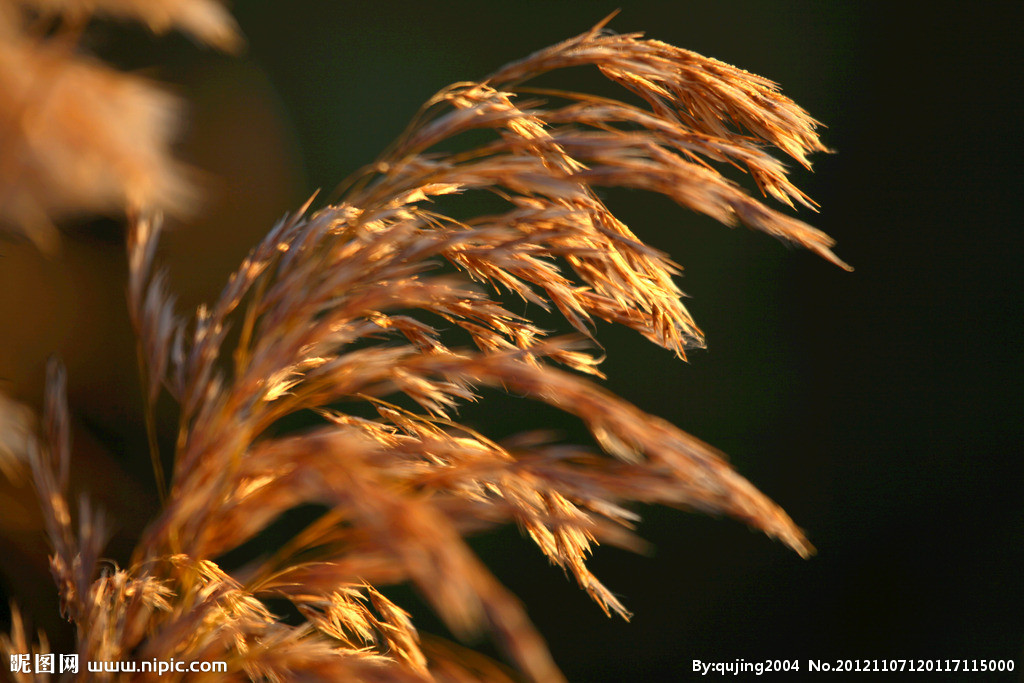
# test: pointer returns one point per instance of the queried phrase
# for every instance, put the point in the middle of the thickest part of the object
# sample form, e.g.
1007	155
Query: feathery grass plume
79	137
345	305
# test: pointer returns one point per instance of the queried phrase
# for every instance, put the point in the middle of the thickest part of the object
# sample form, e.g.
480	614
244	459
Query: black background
879	407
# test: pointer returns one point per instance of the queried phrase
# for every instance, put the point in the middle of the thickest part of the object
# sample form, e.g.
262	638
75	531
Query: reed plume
391	298
81	137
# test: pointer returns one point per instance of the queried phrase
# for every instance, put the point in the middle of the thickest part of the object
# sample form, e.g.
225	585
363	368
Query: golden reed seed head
344	305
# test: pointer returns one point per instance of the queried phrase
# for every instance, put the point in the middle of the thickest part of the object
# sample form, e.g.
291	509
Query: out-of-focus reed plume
79	137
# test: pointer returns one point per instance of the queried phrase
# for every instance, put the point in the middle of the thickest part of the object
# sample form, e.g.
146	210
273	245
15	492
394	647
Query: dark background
879	407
